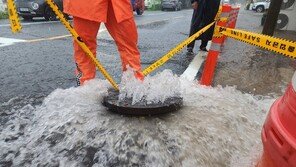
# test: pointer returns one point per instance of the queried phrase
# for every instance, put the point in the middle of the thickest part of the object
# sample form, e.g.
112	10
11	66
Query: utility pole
272	16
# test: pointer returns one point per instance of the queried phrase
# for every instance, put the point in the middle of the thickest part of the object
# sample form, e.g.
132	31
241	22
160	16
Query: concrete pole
272	16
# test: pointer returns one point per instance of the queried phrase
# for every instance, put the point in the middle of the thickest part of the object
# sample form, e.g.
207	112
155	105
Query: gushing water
152	90
215	127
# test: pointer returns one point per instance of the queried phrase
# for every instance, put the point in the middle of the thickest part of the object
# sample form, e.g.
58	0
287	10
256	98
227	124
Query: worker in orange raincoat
118	18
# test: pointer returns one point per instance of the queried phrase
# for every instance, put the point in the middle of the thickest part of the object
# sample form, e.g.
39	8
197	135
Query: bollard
279	133
236	16
233	17
224	19
217	42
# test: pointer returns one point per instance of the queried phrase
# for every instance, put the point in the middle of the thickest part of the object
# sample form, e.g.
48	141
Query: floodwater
216	127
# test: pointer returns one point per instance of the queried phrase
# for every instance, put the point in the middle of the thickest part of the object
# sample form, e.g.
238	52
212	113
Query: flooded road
216	127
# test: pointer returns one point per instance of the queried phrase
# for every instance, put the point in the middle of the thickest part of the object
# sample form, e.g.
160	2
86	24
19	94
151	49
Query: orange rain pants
125	35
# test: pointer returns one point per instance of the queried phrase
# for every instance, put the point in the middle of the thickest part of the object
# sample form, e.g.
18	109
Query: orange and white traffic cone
279	133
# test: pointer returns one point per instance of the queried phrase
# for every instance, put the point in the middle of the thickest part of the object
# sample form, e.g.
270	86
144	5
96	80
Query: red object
226	9
138	6
209	69
211	61
279	133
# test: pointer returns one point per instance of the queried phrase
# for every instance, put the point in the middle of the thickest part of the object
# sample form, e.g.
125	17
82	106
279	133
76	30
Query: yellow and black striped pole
13	17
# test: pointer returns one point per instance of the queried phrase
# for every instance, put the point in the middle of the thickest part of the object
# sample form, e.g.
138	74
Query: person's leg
203	45
193	29
88	31
126	38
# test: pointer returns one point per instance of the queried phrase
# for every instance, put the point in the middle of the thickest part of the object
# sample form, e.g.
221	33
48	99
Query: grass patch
4	15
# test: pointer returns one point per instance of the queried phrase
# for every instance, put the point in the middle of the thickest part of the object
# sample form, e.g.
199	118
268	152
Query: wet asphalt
32	70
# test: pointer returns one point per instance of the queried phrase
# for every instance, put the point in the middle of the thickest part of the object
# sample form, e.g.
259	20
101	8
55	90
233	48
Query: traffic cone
279	131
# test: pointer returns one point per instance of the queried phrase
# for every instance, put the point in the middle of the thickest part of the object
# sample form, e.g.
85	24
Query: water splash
216	127
152	90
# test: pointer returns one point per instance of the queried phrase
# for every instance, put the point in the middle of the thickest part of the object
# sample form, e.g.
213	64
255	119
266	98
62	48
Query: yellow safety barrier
175	50
76	37
281	46
13	17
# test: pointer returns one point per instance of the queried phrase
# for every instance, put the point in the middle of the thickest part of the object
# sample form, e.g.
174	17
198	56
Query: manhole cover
141	108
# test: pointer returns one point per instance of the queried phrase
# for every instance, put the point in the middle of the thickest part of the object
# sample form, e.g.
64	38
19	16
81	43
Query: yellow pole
13	17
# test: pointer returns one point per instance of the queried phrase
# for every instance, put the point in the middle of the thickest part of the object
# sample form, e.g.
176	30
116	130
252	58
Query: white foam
153	89
216	127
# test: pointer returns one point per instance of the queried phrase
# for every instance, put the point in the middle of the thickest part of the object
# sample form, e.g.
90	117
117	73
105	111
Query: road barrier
13	17
281	46
278	133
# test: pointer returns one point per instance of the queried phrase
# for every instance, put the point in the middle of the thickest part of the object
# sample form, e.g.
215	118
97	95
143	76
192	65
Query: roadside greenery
4	15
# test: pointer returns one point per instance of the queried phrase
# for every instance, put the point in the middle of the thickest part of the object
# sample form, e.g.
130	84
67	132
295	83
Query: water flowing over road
215	127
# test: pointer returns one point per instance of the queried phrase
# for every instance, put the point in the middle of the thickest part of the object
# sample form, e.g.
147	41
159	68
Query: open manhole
111	101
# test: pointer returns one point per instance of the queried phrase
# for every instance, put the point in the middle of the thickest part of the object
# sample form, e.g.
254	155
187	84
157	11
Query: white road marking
195	65
25	24
9	41
57	37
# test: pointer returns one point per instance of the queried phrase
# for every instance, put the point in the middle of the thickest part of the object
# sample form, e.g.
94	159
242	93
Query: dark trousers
203	44
196	26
